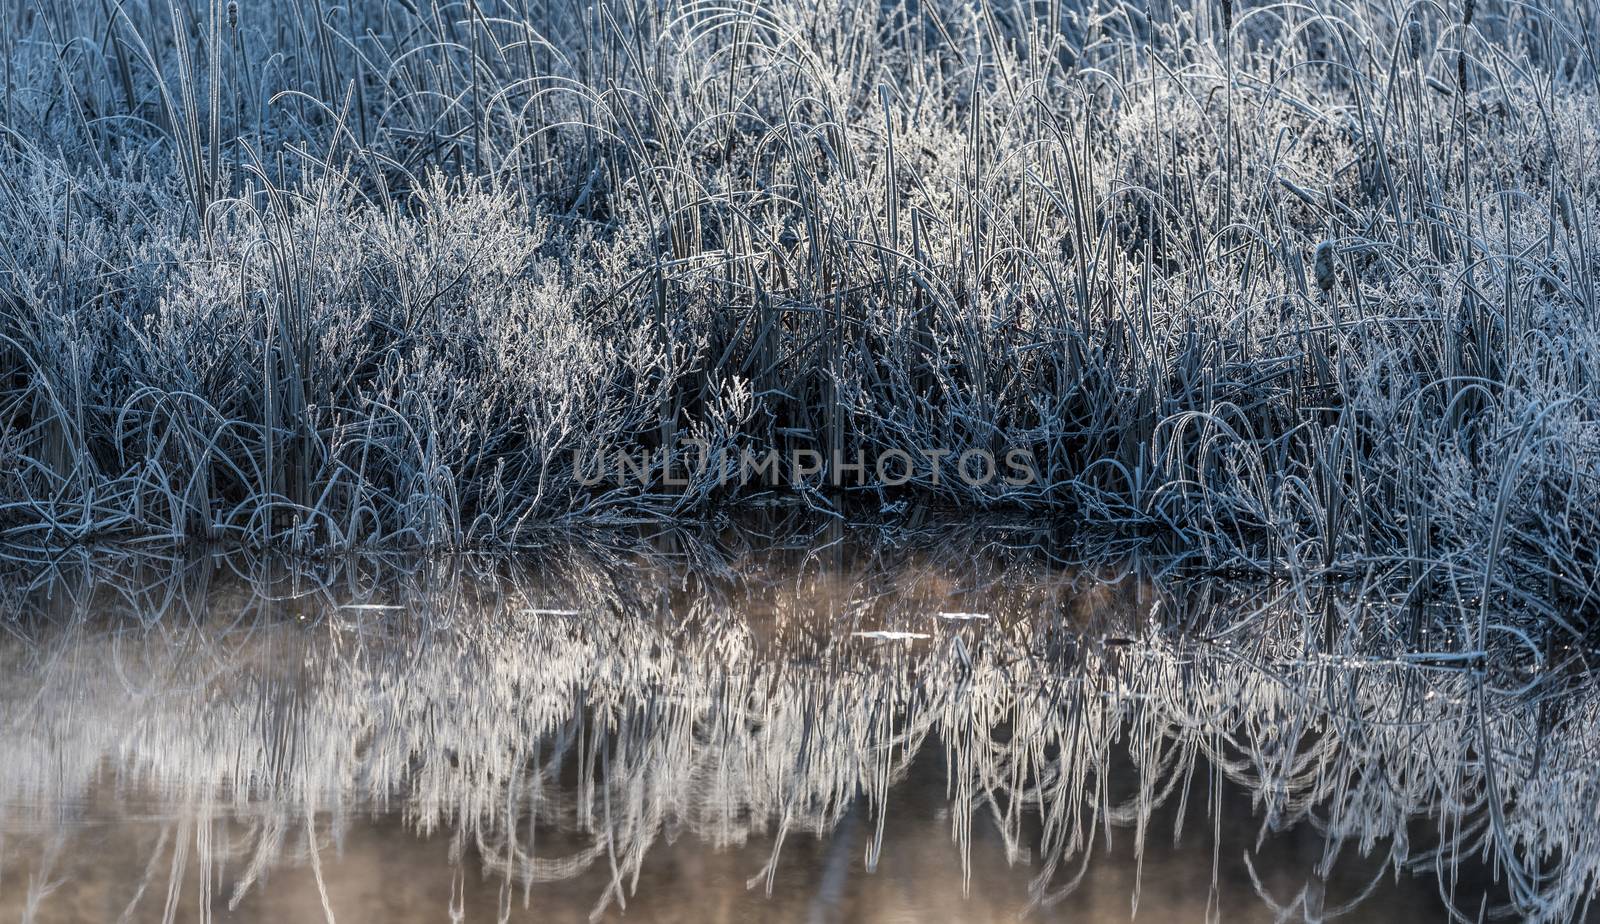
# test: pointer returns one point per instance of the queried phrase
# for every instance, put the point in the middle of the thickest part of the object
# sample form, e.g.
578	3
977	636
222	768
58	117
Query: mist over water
839	728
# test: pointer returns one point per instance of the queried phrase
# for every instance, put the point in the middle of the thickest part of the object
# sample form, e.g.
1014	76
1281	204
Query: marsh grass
1307	289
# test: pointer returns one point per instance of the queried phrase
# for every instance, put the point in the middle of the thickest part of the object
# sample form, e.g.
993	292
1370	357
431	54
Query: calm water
840	730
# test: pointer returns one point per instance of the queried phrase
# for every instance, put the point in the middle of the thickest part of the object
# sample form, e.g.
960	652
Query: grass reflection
227	721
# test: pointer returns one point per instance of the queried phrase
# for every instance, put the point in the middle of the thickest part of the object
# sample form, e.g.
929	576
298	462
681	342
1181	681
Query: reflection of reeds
548	742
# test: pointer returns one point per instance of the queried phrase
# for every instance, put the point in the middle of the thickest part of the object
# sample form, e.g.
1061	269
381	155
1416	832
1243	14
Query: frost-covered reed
1309	288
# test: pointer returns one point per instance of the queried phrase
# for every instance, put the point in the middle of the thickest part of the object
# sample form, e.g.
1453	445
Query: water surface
840	729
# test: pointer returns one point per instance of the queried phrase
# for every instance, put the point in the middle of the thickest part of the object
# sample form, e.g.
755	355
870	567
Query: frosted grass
1302	289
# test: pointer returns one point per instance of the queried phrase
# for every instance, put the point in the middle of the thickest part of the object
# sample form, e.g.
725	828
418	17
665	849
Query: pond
840	727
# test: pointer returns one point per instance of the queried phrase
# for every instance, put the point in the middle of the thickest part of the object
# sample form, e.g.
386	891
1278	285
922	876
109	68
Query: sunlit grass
1306	289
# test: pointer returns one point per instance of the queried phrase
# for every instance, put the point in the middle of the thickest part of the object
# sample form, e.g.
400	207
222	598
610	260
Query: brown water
732	736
